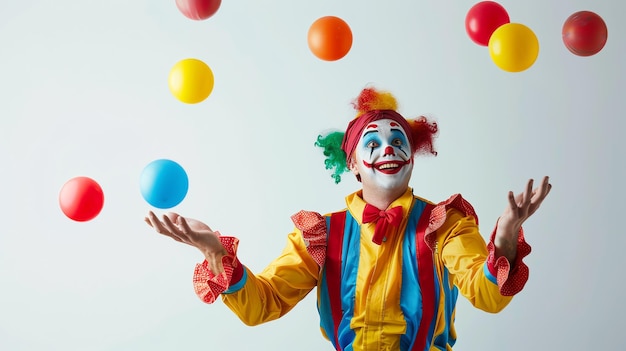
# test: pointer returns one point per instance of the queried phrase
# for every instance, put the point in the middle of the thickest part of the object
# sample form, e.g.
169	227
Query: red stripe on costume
333	269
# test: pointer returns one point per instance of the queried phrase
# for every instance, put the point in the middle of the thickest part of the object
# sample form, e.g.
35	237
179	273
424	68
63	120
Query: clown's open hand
520	208
191	232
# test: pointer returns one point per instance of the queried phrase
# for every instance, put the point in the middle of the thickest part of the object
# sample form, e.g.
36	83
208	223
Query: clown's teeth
388	165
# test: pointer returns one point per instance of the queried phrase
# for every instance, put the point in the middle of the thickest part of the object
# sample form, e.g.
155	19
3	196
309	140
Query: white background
83	91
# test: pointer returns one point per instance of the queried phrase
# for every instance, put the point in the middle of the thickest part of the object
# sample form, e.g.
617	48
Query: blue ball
164	183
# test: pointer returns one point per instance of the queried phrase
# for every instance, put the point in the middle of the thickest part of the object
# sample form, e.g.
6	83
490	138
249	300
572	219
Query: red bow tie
382	219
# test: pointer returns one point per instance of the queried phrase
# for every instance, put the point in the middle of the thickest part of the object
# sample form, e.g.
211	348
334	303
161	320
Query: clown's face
383	156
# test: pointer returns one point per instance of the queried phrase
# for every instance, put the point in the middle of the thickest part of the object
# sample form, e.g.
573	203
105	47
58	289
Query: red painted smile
387	167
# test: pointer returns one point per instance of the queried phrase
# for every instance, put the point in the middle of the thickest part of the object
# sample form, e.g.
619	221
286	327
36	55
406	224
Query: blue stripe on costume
489	275
239	285
410	297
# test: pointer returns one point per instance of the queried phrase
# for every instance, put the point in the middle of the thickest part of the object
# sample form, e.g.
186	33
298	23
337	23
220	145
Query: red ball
81	199
483	19
198	9
584	33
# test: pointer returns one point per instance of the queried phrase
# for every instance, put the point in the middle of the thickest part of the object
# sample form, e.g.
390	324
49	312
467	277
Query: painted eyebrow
398	130
376	131
369	132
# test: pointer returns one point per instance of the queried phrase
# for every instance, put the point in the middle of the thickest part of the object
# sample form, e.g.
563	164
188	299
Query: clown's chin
391	179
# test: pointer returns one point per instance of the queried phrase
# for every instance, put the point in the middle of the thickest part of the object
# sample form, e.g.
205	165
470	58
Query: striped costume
395	293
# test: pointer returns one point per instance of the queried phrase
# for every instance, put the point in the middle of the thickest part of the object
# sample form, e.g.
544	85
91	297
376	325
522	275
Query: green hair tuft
335	156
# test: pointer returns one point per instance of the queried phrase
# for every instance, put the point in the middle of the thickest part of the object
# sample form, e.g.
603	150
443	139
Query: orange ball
330	38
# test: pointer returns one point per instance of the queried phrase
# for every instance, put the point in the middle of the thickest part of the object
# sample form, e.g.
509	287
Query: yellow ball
191	81
513	47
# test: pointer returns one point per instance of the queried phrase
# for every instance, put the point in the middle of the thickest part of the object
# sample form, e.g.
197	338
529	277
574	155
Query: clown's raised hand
519	209
191	232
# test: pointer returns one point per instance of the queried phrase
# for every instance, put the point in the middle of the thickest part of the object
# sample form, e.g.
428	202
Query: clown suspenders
425	271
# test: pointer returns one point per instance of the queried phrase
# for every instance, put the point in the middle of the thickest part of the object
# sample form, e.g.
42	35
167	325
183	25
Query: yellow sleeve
464	253
278	288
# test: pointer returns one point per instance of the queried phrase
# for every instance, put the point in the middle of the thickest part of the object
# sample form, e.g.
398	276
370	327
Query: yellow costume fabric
380	290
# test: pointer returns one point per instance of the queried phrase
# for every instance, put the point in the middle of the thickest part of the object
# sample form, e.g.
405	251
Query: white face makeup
383	155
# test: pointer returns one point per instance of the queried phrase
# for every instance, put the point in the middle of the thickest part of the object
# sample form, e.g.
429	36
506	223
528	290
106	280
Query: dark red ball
584	33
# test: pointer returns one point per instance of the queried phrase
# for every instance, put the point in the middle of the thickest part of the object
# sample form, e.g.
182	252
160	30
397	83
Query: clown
389	267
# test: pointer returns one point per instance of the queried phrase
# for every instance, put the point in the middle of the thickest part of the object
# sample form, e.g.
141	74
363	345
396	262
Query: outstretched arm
520	208
254	298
